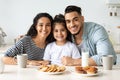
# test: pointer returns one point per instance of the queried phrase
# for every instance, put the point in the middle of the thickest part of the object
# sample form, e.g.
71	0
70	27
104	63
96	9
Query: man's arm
103	45
92	62
68	61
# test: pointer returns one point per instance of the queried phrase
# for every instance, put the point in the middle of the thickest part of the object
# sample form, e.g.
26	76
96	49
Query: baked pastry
79	69
43	68
51	68
62	68
86	70
92	70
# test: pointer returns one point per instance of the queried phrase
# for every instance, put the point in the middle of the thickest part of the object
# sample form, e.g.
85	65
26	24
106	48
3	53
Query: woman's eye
63	30
40	25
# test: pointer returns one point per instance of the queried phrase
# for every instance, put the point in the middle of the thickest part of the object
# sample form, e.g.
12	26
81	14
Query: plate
88	75
52	73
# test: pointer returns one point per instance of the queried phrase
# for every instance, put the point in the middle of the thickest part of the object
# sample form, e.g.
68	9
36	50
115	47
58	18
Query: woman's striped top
26	45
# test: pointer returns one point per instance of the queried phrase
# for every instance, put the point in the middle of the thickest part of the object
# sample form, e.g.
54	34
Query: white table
12	72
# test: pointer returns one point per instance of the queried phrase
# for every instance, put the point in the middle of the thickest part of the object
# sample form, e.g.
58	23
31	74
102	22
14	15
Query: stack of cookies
51	68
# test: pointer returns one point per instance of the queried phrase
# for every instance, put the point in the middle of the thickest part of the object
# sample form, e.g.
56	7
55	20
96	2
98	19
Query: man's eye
75	19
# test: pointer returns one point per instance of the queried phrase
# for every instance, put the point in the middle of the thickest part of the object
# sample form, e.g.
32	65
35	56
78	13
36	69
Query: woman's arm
9	60
13	61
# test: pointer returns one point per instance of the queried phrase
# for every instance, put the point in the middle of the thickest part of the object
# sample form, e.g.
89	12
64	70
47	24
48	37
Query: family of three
59	40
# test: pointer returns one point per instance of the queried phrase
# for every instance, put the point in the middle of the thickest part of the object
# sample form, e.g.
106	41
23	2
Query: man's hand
68	61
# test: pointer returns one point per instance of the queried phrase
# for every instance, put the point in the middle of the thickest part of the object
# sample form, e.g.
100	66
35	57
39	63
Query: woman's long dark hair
33	32
60	19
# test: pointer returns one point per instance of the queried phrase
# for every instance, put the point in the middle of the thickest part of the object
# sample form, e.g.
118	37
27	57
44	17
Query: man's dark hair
72	8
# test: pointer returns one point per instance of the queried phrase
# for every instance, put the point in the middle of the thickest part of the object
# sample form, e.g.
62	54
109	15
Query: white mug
22	60
107	62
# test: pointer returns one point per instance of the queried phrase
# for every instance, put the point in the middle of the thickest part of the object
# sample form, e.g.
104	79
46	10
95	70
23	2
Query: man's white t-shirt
54	53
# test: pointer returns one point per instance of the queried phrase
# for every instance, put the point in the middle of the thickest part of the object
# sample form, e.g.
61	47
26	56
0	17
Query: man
88	34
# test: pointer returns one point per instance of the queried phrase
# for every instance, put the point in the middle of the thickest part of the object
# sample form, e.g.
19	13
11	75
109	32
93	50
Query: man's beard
78	31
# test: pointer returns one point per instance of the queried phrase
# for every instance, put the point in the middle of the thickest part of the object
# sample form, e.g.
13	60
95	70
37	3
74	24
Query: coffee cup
22	60
107	62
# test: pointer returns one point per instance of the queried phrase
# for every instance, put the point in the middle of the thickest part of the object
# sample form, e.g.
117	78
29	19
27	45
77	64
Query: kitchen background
16	15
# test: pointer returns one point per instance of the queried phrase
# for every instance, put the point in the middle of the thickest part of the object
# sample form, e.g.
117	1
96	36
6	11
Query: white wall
16	15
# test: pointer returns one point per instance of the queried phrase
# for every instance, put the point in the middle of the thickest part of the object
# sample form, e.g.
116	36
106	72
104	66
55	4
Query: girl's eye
55	30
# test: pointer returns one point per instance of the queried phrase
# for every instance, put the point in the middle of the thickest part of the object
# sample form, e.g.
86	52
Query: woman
34	43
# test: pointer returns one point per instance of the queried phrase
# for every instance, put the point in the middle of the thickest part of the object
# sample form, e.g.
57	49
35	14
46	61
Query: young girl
61	45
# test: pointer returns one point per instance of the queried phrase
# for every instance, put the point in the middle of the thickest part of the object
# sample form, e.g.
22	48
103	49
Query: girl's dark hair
60	19
32	30
72	8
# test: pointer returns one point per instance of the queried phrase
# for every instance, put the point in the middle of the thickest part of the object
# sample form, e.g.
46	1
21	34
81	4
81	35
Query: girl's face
59	32
43	27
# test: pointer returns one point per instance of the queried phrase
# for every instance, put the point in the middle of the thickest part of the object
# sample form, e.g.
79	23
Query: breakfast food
79	69
92	70
51	68
43	68
86	70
